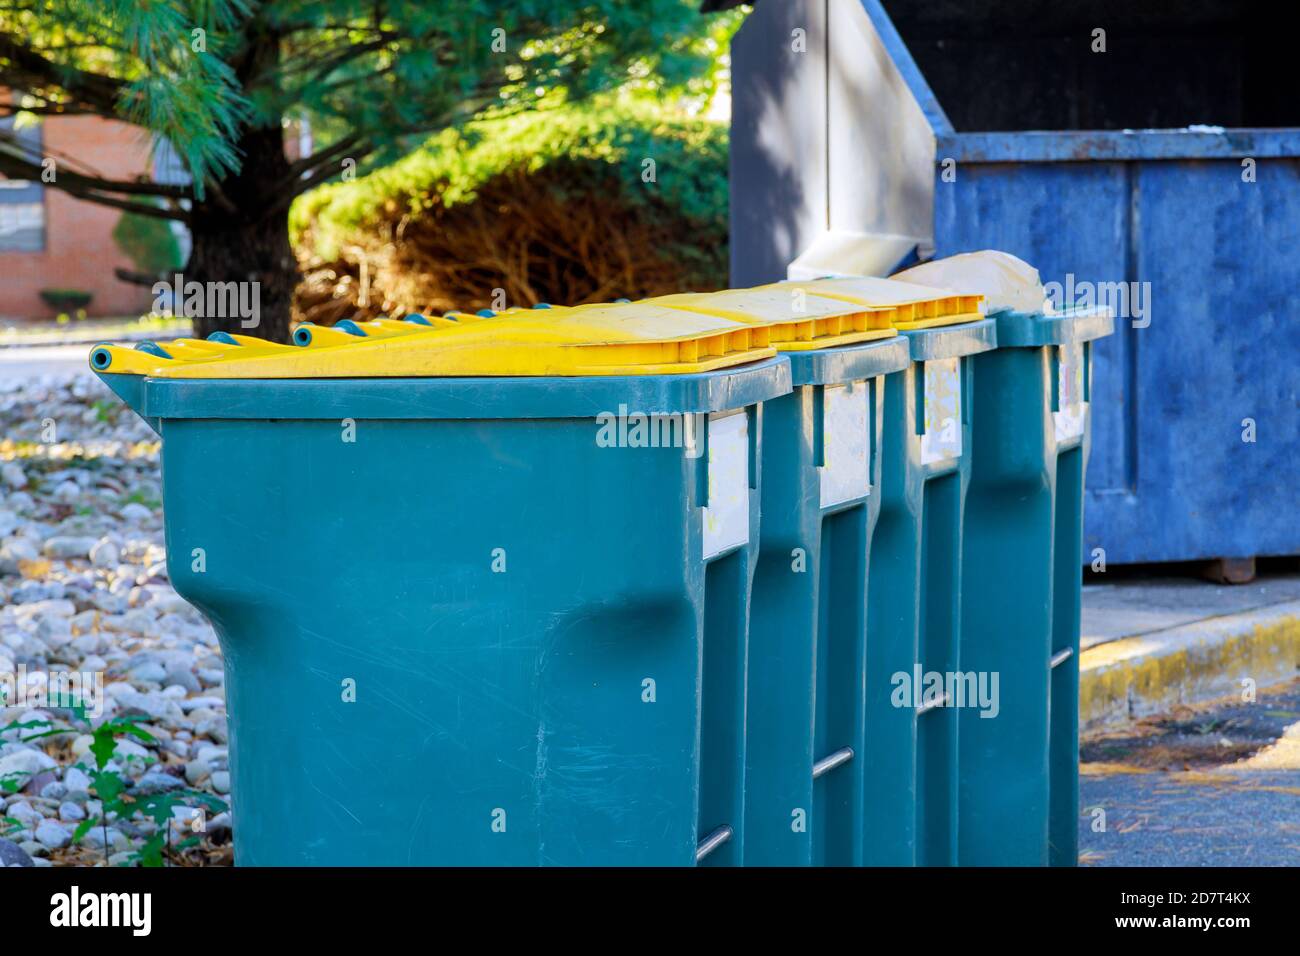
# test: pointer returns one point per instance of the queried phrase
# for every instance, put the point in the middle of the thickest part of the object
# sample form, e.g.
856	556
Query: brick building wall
79	251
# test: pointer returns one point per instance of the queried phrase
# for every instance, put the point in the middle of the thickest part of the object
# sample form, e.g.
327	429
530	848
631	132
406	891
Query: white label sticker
941	440
726	518
844	476
1070	419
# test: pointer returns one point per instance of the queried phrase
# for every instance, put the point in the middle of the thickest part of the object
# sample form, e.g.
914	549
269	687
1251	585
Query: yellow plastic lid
143	358
309	335
797	318
910	306
620	339
201	349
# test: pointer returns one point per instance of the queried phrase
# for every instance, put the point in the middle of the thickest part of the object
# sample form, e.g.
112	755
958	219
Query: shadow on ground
1214	785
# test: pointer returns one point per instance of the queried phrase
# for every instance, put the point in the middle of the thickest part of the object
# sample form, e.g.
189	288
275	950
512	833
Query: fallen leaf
32	568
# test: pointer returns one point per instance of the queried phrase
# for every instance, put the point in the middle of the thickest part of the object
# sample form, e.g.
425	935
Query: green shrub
67	300
148	242
552	205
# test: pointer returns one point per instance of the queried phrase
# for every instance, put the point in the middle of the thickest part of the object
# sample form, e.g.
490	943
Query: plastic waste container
806	716
807	622
1019	797
913	599
910	768
540	662
806	722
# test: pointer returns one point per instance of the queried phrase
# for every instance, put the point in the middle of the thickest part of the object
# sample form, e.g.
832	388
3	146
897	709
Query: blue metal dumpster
458	628
1012	129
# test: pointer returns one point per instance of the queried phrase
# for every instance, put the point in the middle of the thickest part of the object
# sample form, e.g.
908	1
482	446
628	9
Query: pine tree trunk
245	240
242	235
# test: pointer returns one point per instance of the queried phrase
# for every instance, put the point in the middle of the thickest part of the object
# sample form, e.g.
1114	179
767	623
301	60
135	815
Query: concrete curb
1151	673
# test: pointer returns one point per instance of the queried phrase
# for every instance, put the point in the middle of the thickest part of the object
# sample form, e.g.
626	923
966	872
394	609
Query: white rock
17	768
94	838
55	790
126	749
57	607
87	644
67	492
68	546
108	603
213	727
76	779
12	475
53	835
120	688
198	703
104	554
172	604
207	753
149	671
19	549
155	781
54	631
135	512
157	707
26	814
136	621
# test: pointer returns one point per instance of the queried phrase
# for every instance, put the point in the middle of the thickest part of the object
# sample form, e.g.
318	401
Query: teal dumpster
1019	796
472	620
806	720
914	601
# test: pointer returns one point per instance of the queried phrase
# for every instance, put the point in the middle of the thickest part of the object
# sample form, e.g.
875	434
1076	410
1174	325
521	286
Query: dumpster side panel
1170	476
878	158
1063	218
476	671
778	138
1222	352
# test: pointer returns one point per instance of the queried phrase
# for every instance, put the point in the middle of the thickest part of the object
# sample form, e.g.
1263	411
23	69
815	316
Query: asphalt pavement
1217	785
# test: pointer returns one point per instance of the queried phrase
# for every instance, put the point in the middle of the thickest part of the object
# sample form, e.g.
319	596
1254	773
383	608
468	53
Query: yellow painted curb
1151	673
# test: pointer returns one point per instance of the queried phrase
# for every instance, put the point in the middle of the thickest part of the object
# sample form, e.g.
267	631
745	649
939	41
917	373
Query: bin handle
940	701
828	763
711	842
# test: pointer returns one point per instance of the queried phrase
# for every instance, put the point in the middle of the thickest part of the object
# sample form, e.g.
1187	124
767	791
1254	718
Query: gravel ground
85	604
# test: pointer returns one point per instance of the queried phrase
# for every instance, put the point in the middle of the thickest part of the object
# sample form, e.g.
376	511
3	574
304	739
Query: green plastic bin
1019	797
914	599
458	626
806	715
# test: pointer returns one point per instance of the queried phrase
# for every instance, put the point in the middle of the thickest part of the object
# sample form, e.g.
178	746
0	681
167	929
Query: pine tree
217	80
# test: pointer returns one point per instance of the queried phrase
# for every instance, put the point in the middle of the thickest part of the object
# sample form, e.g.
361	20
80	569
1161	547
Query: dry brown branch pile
540	237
